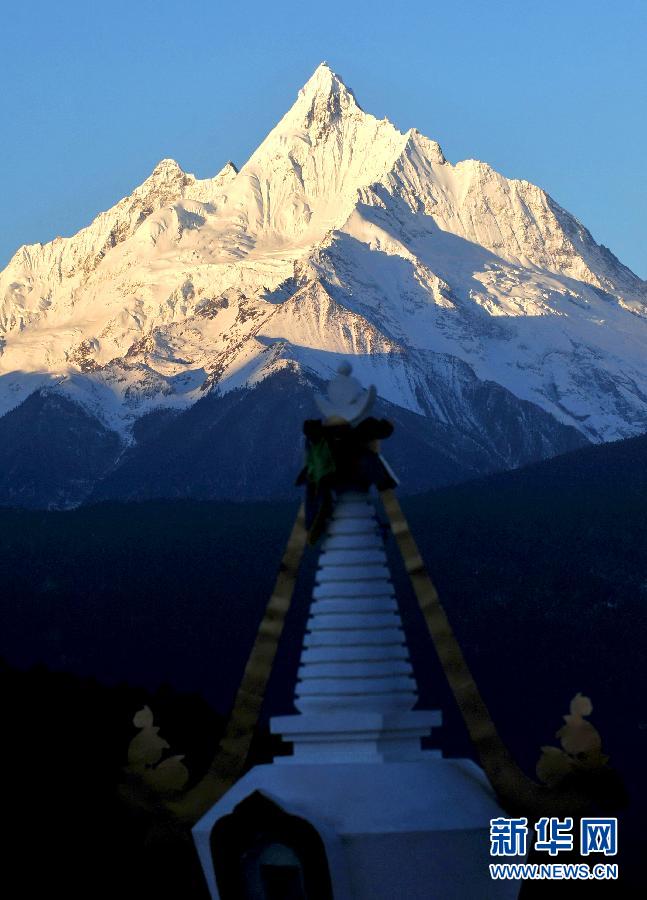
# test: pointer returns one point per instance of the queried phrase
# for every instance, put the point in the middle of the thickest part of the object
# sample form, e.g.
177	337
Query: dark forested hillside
543	572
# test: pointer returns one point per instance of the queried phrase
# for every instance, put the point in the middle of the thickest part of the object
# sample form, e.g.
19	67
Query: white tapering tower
359	811
355	690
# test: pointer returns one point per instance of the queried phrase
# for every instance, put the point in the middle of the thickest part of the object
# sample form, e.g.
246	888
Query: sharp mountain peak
340	237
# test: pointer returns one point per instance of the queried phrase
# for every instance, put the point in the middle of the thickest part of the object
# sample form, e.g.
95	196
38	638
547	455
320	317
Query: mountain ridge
340	237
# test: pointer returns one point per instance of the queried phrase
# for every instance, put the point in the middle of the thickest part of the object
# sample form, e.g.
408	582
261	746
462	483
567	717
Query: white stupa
359	810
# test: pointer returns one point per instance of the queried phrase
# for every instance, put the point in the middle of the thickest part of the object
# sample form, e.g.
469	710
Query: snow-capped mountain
479	307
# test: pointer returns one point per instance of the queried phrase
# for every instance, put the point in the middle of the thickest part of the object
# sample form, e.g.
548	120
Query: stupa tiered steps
356	689
354	654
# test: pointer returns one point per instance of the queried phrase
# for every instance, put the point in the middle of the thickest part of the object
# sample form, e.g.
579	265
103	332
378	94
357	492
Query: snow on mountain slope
340	236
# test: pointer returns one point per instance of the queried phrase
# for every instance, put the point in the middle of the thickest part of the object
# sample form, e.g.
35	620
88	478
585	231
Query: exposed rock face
473	302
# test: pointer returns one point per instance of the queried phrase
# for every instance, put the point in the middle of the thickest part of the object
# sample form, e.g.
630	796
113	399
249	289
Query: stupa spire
356	689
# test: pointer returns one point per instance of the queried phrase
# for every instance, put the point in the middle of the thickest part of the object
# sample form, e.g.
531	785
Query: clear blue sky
94	94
